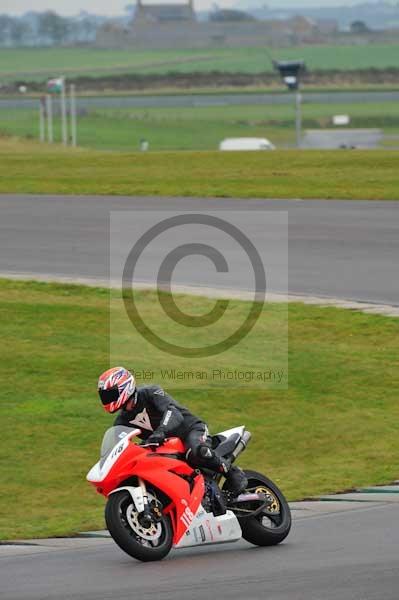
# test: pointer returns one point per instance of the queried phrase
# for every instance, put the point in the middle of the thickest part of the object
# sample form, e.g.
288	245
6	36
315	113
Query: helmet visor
109	396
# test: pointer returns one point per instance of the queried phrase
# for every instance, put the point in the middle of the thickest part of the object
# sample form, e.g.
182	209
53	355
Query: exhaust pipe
242	444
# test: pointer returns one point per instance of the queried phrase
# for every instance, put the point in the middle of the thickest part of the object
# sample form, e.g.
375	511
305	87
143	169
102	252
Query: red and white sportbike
156	501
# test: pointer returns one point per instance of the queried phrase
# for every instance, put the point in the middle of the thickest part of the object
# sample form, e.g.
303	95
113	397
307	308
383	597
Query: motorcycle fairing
163	472
101	469
205	528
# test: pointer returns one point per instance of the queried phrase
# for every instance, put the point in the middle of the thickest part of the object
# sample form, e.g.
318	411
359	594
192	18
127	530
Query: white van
246	144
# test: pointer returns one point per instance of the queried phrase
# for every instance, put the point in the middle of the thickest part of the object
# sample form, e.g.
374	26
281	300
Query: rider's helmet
115	387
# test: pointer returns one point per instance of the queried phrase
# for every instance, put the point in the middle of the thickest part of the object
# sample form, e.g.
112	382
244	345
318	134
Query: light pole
290	72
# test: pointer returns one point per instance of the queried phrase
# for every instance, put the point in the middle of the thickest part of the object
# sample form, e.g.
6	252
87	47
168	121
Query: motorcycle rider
159	416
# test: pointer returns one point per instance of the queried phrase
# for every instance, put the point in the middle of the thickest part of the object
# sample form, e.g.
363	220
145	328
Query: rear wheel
145	542
272	525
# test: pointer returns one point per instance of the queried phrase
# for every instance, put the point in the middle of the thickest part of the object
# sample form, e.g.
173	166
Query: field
201	127
27	167
37	64
342	395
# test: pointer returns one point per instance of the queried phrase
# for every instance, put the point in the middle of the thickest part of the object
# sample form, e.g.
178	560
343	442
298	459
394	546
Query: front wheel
272	525
145	543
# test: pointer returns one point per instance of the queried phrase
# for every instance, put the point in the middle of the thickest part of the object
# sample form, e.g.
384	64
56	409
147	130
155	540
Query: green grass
165	130
26	167
201	127
334	427
41	63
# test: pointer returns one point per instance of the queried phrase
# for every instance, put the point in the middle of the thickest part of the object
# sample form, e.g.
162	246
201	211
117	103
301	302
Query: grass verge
28	168
334	428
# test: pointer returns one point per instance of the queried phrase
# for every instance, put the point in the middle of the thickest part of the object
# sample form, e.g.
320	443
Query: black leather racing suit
155	410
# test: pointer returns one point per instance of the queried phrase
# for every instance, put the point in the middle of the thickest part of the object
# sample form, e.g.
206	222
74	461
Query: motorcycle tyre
256	533
125	540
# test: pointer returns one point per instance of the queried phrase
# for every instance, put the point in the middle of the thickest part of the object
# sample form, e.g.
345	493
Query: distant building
174	25
163	13
327	26
302	25
229	15
295	26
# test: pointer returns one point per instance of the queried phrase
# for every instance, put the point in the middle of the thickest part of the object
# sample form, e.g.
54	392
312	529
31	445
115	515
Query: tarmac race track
339	249
346	555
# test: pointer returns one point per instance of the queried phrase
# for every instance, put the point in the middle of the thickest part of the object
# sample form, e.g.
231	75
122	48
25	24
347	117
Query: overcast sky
116	7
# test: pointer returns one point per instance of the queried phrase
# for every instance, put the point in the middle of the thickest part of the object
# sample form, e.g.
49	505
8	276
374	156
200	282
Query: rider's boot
235	477
236	480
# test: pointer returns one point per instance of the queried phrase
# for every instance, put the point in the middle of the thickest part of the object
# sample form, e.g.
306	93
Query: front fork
145	516
144	493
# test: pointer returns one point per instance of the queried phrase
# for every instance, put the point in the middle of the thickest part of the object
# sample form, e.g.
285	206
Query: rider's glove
157	438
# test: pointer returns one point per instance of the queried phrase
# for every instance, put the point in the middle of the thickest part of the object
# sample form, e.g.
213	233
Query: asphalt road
336	249
339	556
197	100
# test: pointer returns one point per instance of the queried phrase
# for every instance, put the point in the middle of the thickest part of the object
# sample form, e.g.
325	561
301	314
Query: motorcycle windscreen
112	436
